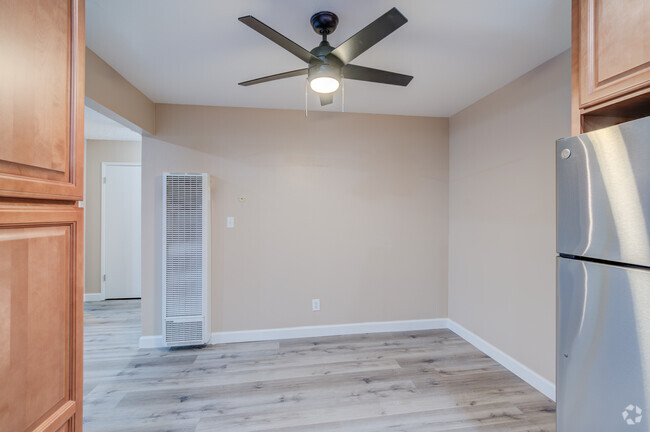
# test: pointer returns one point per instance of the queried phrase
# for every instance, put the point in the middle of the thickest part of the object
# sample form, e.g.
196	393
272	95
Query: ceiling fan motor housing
324	70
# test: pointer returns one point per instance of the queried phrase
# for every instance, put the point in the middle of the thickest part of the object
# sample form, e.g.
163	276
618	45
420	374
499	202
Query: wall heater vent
186	259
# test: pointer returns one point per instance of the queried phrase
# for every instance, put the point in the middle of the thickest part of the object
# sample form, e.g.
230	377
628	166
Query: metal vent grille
184	240
186	252
183	332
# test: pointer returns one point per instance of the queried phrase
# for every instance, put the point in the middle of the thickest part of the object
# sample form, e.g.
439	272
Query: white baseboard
327	330
90	297
540	383
151	342
544	386
309	331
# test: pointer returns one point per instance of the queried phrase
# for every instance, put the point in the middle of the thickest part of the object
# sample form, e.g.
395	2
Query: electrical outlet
315	305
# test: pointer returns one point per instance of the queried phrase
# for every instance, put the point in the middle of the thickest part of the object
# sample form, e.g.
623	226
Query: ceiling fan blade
279	39
375	75
326	98
282	75
370	35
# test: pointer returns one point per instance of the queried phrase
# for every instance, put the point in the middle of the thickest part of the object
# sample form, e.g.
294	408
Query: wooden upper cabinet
41	98
614	48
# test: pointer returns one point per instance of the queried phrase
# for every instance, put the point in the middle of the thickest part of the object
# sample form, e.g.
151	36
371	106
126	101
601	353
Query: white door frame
102	279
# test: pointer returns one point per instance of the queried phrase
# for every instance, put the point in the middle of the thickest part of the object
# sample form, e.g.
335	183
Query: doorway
120	230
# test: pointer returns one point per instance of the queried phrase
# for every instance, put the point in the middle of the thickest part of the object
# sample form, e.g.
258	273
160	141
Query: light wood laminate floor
422	381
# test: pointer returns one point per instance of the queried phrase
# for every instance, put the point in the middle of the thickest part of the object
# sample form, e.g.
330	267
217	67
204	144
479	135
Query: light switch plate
230	222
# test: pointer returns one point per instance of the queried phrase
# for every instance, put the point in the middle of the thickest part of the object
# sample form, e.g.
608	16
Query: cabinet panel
41	98
620	24
41	306
614	48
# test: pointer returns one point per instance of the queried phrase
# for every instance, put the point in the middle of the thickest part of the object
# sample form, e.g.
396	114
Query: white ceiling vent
186	263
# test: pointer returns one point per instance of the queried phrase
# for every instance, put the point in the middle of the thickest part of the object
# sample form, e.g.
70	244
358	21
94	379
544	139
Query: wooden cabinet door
614	49
41	98
41	307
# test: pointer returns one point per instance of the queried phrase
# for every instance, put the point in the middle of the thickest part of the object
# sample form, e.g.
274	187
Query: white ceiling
99	127
196	51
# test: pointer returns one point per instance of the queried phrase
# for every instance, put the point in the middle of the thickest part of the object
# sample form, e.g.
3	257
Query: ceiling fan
328	65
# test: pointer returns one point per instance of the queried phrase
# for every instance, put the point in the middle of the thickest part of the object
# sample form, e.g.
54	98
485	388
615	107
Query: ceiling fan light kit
327	66
324	78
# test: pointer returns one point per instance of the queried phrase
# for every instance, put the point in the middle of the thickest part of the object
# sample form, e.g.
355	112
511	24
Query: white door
121	206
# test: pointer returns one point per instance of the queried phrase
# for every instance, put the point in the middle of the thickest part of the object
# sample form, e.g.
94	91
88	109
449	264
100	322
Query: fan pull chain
306	84
342	94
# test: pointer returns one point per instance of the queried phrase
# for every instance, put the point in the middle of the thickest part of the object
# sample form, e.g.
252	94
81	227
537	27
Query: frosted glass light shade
324	84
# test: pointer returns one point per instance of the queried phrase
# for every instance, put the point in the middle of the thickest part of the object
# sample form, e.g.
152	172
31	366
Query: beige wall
348	208
502	214
109	93
98	151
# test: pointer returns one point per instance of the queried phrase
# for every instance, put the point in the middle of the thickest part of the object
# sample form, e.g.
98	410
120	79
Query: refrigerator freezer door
603	352
603	193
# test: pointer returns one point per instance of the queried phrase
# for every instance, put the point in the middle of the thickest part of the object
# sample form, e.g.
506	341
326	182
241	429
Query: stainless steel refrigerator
603	280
